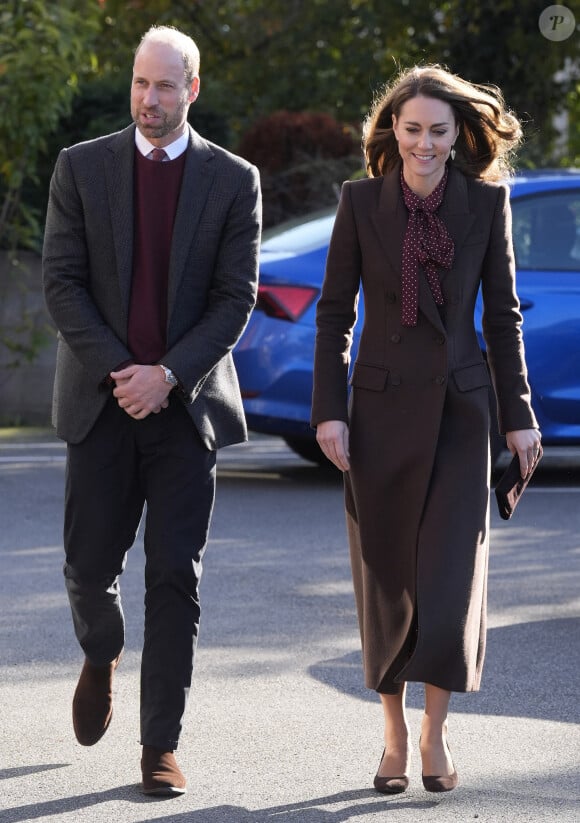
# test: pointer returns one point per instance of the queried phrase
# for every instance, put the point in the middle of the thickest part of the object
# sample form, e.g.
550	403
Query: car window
300	237
546	231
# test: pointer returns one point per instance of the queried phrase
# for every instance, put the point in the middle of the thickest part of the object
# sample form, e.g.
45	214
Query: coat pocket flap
472	377
369	377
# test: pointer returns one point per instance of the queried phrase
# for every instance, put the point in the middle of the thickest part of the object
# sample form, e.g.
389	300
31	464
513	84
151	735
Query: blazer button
440	379
395	380
440	340
391	297
395	338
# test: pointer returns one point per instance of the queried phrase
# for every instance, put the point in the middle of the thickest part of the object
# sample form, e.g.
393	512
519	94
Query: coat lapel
119	169
455	210
390	219
198	176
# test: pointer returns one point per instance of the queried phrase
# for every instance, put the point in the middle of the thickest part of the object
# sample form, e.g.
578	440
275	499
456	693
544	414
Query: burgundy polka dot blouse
427	244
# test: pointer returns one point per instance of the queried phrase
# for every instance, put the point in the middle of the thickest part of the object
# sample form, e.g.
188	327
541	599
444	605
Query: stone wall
25	387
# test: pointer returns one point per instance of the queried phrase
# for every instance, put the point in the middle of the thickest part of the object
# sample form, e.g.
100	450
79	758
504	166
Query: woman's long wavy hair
488	132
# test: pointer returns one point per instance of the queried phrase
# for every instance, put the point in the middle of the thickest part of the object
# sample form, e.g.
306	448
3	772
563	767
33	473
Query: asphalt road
280	727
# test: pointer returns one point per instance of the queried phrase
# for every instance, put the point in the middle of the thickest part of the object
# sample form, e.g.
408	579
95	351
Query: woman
429	228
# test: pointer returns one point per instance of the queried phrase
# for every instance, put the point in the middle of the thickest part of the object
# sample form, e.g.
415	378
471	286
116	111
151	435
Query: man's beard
169	123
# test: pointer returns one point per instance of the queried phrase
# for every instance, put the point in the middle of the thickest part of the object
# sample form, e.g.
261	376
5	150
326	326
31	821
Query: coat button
391	297
395	338
395	380
440	340
440	379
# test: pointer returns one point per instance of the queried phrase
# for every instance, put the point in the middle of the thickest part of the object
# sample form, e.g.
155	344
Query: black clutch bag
511	486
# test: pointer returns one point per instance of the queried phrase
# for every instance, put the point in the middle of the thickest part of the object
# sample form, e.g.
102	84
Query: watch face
169	376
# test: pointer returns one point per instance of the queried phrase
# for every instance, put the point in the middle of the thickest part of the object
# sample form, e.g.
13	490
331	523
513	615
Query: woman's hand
332	437
526	443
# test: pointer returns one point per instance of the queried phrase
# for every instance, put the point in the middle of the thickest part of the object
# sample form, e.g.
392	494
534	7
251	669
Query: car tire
308	449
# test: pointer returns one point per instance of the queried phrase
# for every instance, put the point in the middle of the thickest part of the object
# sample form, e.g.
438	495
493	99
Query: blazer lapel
390	220
119	162
198	176
455	211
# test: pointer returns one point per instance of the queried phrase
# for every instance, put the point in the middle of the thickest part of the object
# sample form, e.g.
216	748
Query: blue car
274	357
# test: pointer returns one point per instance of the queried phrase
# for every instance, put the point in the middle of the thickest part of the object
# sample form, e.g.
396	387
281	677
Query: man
150	275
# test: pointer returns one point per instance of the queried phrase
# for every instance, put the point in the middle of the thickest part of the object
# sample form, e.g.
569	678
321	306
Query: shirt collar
173	149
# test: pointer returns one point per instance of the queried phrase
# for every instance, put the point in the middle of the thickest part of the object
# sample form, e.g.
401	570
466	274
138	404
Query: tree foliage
43	49
259	57
500	42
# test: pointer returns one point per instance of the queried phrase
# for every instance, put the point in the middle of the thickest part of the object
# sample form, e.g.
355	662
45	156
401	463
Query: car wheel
308	449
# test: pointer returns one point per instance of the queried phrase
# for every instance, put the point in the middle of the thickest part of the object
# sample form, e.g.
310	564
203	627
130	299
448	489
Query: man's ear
194	90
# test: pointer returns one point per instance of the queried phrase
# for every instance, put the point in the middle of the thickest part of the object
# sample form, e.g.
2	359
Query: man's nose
151	98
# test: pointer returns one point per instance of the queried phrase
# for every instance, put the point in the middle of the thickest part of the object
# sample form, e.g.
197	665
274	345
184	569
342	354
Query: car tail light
286	302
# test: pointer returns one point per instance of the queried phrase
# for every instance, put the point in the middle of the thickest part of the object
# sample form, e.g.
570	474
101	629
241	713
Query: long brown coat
417	493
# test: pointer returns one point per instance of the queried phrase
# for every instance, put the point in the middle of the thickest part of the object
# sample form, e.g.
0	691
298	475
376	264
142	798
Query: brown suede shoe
93	702
161	774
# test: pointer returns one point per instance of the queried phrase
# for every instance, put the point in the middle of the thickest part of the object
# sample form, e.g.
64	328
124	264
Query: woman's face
425	130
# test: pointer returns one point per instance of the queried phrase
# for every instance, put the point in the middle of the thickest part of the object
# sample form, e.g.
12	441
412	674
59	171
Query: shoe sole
166	791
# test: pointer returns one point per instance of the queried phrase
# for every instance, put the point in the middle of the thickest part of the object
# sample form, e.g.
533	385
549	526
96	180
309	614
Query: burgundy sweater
157	187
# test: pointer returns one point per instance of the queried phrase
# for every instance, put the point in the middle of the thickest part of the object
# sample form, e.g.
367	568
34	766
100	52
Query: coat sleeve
66	279
502	324
336	316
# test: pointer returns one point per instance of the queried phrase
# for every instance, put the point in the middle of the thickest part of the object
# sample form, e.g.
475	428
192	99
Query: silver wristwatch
169	376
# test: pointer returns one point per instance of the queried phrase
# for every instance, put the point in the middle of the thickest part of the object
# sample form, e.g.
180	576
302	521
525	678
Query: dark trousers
122	465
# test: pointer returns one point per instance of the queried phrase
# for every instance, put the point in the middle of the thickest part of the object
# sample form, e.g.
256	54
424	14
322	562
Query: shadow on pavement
22	771
306	811
537	682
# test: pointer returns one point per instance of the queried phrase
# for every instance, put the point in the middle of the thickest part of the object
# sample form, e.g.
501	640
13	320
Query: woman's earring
452	152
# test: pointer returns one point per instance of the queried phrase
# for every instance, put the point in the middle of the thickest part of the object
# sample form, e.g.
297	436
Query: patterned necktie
158	154
426	243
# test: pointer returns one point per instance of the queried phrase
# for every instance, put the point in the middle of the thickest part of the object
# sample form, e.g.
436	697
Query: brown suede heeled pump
440	783
390	785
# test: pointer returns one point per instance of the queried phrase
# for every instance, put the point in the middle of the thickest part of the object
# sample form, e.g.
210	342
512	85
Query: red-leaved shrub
303	157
